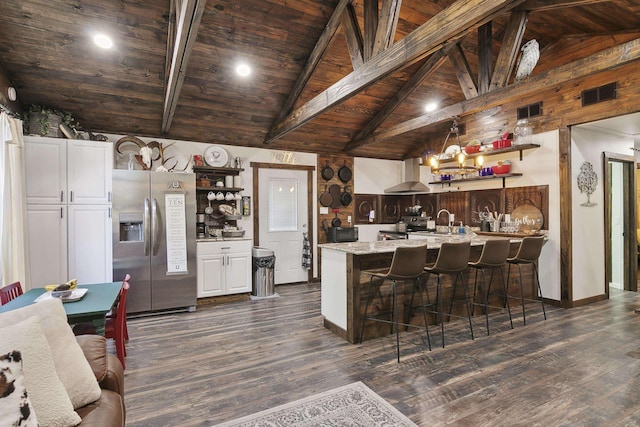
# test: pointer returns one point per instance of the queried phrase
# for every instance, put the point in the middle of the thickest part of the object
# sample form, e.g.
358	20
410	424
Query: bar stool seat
493	257
452	259
528	254
407	264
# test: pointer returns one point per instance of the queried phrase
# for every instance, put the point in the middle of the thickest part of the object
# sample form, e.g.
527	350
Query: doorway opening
620	223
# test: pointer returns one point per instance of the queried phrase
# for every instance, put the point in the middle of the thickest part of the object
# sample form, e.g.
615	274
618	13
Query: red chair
10	292
116	326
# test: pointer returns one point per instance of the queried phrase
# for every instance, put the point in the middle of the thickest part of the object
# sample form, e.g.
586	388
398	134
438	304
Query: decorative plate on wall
216	156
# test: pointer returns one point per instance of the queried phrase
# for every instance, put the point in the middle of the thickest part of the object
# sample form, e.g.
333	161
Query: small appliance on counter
342	234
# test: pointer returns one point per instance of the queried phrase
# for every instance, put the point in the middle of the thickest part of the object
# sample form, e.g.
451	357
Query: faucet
449	218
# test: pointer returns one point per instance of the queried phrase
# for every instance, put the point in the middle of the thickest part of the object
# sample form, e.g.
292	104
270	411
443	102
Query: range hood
410	179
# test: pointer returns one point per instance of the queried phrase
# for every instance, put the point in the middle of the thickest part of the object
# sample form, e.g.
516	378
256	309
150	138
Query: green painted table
94	305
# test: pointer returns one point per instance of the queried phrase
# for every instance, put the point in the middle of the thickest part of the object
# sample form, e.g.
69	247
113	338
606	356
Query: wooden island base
344	285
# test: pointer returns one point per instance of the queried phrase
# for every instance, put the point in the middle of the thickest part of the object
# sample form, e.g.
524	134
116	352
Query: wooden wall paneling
483	201
344	212
389	209
537	196
566	213
456	203
406	201
429	203
363	204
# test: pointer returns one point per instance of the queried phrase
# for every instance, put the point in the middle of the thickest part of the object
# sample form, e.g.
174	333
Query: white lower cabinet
224	268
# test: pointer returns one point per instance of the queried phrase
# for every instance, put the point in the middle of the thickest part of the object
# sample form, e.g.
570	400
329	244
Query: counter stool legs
485	289
538	289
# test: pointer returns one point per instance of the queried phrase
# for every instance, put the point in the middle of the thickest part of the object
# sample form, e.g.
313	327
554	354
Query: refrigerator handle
145	225
155	226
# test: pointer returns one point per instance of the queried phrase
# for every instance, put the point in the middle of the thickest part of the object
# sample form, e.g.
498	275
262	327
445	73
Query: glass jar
522	133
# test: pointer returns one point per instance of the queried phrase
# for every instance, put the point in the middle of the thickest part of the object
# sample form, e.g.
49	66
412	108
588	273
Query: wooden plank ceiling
329	76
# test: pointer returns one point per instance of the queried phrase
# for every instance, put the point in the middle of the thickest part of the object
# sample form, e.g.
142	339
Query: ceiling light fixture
243	70
430	107
461	169
103	41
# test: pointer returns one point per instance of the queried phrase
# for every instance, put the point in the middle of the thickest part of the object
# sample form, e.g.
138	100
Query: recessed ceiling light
103	41
432	106
243	70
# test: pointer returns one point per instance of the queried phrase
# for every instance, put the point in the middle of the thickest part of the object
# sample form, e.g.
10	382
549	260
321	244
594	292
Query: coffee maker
201	227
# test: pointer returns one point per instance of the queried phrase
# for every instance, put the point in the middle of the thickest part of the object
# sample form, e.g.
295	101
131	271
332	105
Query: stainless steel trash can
264	262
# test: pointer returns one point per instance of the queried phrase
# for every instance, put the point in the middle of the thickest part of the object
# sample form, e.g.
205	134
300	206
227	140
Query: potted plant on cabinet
46	121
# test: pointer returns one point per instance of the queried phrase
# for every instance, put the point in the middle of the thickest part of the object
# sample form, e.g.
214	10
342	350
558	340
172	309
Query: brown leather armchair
109	409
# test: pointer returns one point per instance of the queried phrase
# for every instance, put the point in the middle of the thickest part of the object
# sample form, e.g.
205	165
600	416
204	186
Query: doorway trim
256	205
630	242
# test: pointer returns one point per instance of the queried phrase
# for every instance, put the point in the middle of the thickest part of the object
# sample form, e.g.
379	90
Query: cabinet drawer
213	248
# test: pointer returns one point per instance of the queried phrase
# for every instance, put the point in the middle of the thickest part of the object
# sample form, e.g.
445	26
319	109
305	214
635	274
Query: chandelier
461	168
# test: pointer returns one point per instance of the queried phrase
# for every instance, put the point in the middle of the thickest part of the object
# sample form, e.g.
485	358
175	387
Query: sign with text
176	233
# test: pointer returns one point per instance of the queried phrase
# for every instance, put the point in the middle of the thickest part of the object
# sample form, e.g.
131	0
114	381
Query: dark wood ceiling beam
598	62
370	27
387	23
430	66
509	50
314	58
538	5
467	81
188	17
485	57
353	35
450	24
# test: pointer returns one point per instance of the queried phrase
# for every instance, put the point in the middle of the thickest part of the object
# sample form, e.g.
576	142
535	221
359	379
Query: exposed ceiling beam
314	58
188	17
598	62
370	26
427	69
538	5
509	50
387	23
485	66
353	35
461	66
449	24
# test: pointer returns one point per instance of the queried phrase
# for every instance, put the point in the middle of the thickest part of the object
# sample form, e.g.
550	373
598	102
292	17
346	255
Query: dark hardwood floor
579	367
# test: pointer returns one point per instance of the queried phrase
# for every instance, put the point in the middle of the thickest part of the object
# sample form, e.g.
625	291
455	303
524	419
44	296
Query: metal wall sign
176	232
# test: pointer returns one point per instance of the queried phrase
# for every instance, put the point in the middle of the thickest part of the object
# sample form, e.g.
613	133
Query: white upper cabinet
68	171
46	170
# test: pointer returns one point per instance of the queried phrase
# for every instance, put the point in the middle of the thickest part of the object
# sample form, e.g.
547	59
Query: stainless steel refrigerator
154	238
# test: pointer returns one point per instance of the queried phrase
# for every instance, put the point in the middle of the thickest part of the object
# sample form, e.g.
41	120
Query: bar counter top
418	238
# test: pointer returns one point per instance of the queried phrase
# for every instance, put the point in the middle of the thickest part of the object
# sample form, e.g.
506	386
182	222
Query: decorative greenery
43	119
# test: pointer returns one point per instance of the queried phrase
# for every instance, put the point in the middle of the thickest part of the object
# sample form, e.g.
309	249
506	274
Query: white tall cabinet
68	210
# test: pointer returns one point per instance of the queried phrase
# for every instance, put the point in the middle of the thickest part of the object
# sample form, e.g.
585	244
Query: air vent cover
528	111
599	94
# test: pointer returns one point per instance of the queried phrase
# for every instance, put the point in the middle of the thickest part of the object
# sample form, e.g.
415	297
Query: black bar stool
407	264
528	253
493	257
452	259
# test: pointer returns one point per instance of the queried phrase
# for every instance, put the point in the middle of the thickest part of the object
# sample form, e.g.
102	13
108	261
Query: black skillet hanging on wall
325	198
345	197
344	173
327	172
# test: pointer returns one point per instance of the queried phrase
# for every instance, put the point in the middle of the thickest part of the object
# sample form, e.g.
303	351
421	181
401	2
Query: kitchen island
344	284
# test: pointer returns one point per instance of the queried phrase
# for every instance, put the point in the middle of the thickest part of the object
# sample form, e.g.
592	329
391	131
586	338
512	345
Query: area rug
351	405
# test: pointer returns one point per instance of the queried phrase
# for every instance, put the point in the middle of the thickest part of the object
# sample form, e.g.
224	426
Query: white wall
588	222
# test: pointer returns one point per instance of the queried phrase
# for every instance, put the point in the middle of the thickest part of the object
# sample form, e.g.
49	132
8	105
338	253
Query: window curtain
13	215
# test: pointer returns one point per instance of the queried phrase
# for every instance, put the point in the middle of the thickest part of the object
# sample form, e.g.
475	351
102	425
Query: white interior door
617	226
283	219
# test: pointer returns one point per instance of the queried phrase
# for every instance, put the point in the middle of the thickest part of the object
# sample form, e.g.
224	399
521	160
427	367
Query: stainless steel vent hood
410	179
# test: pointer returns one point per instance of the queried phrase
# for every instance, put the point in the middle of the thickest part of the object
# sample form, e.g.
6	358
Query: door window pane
283	205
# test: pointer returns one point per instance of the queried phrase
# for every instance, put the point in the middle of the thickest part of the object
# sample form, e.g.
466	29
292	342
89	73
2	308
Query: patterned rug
351	405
